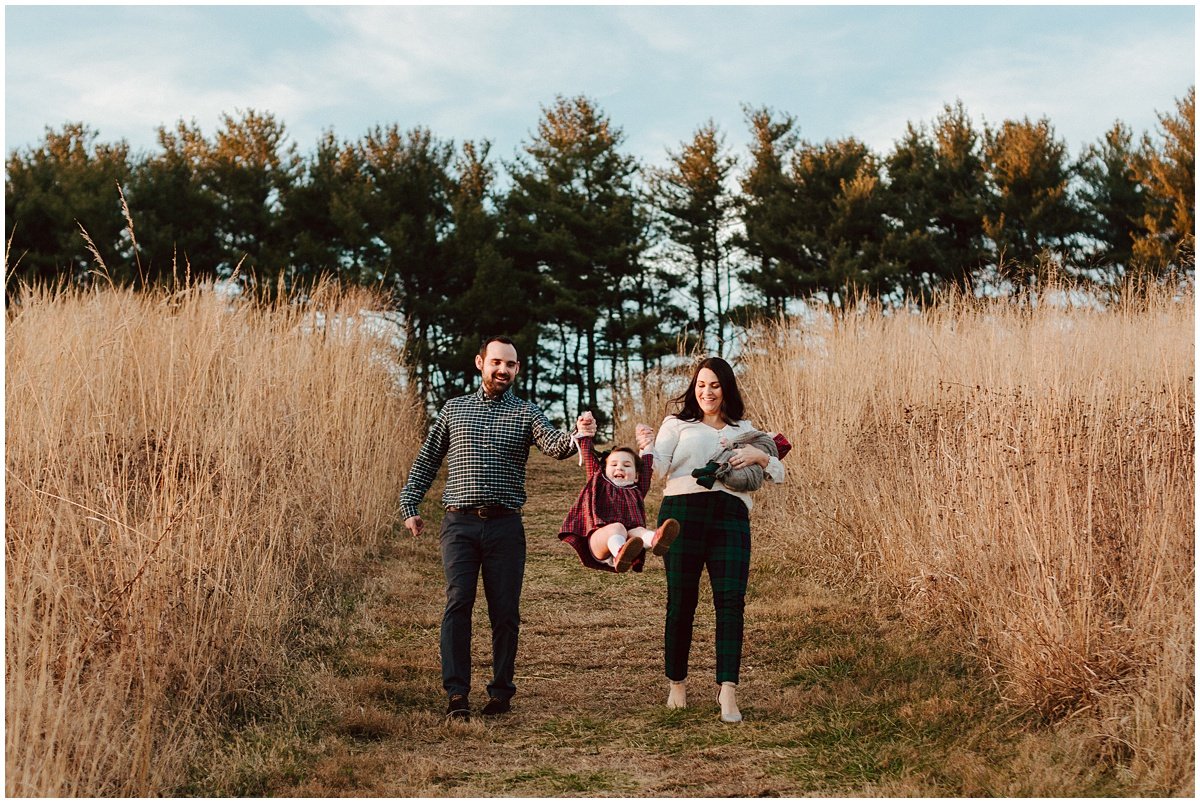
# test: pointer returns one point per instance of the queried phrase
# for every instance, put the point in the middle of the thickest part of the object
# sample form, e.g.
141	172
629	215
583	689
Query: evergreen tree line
597	265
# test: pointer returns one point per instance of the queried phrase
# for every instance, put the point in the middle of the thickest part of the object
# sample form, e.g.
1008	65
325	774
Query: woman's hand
749	456
645	436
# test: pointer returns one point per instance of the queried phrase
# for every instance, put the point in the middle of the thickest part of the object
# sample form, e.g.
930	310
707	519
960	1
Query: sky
658	72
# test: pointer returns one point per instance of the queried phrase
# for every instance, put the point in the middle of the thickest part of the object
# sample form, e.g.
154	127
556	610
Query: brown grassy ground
836	701
198	501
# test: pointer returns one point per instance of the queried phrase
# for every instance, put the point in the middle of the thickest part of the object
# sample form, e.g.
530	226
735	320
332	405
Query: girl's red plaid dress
602	502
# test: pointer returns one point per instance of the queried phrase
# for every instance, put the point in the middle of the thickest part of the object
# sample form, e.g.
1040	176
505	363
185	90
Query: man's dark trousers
497	547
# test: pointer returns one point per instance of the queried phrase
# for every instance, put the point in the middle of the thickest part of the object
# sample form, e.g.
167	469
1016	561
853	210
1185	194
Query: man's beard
496	387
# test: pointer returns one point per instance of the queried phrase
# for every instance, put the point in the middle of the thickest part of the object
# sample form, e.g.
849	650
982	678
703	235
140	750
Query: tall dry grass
185	476
1025	477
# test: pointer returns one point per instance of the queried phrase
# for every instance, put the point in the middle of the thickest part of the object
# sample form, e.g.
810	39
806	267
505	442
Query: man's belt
486	511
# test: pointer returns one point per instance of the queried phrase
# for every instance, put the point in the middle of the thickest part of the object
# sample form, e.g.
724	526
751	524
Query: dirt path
836	703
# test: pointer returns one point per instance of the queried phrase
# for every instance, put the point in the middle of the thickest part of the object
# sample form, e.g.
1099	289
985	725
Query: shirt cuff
774	469
408	511
577	438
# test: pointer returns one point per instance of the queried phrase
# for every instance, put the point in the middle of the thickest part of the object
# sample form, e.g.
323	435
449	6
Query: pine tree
839	223
405	212
488	296
321	216
574	213
1169	176
936	191
766	210
248	168
1112	201
55	192
693	196
1031	217
175	212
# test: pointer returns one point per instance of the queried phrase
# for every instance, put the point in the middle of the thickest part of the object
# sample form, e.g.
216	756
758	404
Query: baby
746	478
607	524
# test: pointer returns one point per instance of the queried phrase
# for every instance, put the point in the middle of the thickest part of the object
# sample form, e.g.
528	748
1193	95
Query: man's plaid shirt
488	442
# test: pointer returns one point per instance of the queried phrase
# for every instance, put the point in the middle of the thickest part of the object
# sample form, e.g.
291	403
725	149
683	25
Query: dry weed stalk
1026	477
185	474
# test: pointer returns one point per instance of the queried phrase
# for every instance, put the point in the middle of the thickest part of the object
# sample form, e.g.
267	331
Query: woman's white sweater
681	446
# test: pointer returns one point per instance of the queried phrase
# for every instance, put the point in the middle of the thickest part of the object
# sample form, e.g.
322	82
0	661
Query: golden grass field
184	478
1024	476
205	592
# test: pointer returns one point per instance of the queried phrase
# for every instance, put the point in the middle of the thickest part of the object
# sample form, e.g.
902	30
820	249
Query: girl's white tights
615	542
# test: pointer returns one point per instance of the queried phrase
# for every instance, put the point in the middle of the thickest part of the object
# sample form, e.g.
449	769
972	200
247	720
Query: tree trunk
591	369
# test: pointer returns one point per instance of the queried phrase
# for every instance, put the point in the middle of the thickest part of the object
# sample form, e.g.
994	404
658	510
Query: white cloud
1081	88
486	72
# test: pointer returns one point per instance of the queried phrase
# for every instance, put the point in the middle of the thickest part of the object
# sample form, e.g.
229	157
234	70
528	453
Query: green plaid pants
714	535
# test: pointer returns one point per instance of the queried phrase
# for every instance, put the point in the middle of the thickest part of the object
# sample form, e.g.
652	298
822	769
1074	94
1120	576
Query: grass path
836	702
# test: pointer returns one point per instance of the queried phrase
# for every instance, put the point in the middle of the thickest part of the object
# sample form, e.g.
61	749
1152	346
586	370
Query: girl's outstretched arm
646	474
591	463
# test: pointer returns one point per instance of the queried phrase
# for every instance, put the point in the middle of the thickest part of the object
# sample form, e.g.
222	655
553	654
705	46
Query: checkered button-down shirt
487	444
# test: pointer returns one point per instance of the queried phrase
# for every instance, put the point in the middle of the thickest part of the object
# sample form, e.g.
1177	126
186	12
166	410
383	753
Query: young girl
607	524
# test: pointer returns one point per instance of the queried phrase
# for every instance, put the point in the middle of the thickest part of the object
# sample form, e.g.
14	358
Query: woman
714	525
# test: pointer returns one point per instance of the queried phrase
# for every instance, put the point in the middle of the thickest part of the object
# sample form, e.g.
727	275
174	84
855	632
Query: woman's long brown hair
732	407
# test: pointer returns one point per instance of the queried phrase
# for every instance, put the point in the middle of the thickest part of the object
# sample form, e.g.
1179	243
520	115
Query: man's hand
415	525
645	436
586	424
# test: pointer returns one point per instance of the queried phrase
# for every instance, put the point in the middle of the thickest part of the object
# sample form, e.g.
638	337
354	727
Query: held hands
586	425
415	525
645	437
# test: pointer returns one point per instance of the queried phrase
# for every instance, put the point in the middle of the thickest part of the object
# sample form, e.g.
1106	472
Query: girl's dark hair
732	407
637	459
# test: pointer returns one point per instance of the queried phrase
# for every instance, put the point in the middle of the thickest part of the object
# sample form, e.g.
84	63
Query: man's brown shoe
458	708
496	706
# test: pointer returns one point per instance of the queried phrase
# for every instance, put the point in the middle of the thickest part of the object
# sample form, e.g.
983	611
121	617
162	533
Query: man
487	436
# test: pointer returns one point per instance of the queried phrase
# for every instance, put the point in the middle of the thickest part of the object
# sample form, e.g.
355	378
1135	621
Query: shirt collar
615	484
504	397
